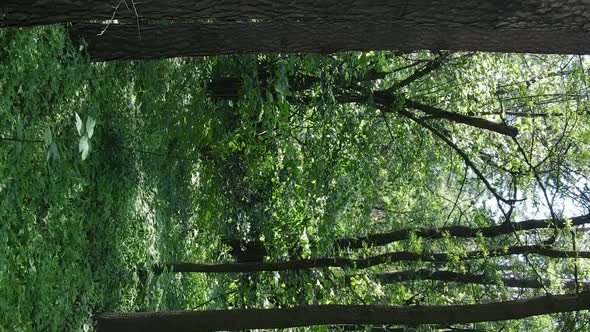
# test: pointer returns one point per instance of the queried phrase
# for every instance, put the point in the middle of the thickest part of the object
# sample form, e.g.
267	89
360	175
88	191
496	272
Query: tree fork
240	319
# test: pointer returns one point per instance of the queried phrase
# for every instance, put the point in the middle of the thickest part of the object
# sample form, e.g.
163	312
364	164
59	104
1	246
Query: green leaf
90	123
47	136
79	124
83	145
54	151
86	152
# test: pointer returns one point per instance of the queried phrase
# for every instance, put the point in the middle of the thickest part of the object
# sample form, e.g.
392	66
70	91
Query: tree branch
450	276
460	152
505	228
241	319
362	263
472	121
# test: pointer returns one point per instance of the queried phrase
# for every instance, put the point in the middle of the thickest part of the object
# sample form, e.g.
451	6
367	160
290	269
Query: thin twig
112	18
461	153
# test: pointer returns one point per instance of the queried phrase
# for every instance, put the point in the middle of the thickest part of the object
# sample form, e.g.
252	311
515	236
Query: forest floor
74	237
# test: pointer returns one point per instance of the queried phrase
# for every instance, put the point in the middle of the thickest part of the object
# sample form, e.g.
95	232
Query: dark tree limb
241	319
418	74
462	154
381	239
472	121
388	101
362	263
450	276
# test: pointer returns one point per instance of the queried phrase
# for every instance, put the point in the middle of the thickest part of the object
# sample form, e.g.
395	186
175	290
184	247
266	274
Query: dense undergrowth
107	169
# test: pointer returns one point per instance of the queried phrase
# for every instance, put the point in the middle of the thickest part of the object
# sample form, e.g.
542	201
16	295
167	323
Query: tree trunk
34	12
365	328
456	231
558	26
229	88
241	319
522	15
362	263
247	251
148	41
225	88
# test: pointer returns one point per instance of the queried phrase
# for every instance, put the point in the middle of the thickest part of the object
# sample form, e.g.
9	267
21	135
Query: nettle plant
85	132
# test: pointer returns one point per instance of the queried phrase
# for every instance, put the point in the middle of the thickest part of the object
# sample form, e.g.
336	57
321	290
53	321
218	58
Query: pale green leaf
79	124
90	123
85	152
54	151
83	145
47	136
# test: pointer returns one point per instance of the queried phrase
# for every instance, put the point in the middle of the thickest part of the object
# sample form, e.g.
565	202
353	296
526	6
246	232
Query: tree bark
471	278
457	231
437	113
247	251
241	319
362	263
365	328
148	41
387	100
474	14
449	276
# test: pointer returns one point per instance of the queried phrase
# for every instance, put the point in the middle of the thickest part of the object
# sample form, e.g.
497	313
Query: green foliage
108	169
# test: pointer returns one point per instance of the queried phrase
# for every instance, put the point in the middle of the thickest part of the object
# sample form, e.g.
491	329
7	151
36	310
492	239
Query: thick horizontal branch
148	41
241	319
457	231
386	99
363	263
438	113
471	278
388	103
450	276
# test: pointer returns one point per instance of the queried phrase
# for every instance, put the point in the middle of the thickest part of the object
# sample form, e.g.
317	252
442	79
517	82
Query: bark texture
121	42
241	319
387	100
572	15
472	278
450	276
457	231
362	263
